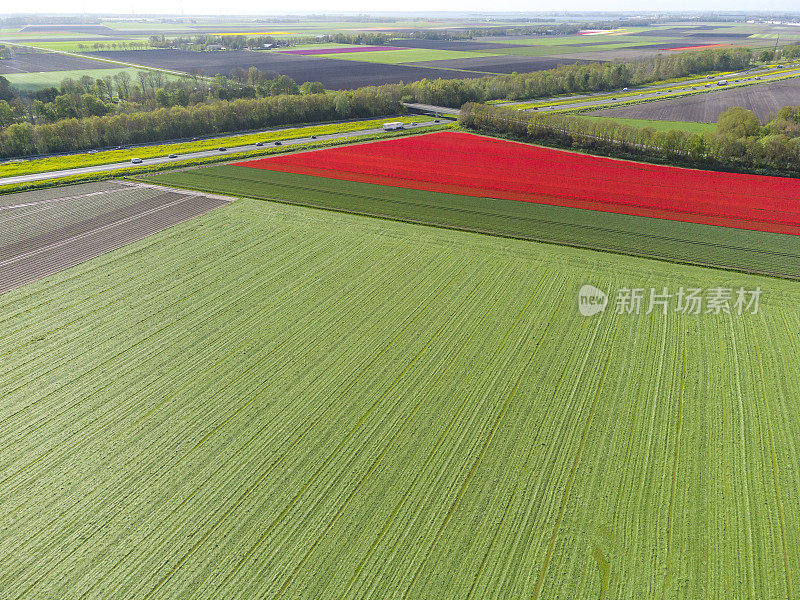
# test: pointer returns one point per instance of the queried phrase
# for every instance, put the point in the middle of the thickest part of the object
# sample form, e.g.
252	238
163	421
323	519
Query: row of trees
578	78
740	142
252	42
150	92
21	139
146	90
257	42
546	28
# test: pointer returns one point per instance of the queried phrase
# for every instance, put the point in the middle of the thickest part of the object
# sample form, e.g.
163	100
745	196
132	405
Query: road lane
190	155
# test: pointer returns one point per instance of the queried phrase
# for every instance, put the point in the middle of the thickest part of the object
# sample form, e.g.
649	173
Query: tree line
546	28
578	78
740	142
116	99
203	41
65	135
144	90
147	90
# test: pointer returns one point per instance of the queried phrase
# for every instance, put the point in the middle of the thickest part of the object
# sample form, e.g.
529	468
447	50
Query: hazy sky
322	6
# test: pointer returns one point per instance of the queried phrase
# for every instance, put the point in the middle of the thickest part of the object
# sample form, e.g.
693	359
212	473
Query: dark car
278	143
259	144
222	149
313	137
173	156
436	120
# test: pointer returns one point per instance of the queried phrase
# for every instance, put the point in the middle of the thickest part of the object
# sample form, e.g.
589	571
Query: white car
136	161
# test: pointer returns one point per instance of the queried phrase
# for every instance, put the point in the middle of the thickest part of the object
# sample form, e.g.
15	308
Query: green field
587	40
37	81
396	57
699	128
273	401
739	249
92	45
554	49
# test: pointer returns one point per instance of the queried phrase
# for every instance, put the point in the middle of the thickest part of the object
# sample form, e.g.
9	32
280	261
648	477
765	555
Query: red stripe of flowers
471	165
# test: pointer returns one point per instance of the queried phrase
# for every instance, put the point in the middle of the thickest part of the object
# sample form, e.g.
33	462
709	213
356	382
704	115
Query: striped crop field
697	243
472	165
276	401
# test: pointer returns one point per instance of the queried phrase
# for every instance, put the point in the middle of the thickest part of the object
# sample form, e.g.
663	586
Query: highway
191	155
664	91
429	109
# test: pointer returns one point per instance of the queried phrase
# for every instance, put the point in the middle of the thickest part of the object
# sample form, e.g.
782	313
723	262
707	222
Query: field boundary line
537	239
183	191
151	316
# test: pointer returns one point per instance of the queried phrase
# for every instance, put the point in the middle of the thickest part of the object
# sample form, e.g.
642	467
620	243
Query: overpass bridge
429	109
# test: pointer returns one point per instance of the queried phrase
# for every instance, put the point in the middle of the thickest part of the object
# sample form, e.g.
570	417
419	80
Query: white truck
393	125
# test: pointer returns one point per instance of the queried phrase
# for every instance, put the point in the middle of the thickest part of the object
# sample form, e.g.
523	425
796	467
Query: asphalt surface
430	108
189	155
670	90
763	100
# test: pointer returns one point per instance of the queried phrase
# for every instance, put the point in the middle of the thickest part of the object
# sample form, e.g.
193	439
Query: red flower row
472	165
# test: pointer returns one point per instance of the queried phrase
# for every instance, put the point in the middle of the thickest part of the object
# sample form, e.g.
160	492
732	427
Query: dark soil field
334	74
47	231
718	35
621	54
682	31
464	46
501	63
763	99
673	45
37	62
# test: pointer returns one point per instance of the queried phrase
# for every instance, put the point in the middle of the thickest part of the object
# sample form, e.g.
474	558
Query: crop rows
471	165
275	401
740	249
41	234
